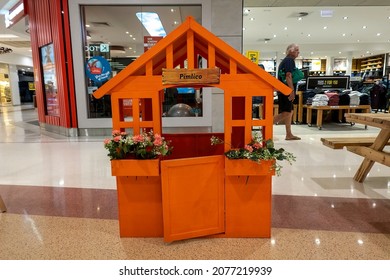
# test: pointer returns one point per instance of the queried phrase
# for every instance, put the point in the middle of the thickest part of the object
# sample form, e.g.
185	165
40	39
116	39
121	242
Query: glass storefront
5	90
115	36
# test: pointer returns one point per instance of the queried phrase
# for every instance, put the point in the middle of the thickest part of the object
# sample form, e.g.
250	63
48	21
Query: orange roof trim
185	43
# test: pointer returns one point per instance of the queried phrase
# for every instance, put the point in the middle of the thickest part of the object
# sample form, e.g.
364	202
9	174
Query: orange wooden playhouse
196	192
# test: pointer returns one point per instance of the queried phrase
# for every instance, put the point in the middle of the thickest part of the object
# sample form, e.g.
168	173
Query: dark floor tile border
295	212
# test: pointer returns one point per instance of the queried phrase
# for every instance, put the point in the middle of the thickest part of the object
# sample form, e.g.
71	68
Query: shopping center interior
58	198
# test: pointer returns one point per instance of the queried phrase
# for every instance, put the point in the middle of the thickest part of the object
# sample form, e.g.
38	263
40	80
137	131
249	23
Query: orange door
193	197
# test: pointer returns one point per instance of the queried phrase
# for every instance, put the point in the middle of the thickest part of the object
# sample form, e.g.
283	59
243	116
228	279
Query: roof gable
184	44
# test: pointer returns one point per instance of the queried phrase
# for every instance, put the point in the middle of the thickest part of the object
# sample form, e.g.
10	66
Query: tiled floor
61	202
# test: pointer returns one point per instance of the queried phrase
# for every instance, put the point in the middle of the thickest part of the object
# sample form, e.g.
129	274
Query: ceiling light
343	34
252	19
299	18
7	36
151	21
378	34
326	13
364	26
285	28
325	27
345	18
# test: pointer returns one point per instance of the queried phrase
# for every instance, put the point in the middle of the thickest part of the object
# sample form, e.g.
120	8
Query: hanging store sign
150	41
328	82
253	56
193	76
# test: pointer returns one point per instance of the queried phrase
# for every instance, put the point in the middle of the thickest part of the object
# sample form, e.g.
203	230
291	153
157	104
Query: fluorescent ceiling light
326	13
152	23
8	36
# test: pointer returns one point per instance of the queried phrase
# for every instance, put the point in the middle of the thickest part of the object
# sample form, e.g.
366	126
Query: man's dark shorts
285	105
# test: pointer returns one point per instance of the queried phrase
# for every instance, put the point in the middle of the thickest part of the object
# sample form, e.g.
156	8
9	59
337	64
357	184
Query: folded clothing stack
354	99
333	98
320	100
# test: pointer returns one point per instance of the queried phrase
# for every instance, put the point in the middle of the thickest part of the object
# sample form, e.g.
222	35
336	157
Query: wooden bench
341	142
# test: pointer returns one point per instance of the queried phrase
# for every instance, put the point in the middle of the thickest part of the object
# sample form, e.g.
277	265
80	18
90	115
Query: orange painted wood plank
193	205
190	50
135	167
211	55
169	56
248	206
140	206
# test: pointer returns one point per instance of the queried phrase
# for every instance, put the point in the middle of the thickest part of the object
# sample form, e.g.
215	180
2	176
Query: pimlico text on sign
190	76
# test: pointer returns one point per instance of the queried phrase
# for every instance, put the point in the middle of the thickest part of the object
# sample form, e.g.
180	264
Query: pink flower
116	133
107	141
157	140
257	145
248	148
117	138
138	138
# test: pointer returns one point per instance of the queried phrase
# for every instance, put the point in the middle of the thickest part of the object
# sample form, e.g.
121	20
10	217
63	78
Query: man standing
286	106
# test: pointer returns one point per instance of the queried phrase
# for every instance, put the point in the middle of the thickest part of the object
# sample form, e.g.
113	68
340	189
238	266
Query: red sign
150	41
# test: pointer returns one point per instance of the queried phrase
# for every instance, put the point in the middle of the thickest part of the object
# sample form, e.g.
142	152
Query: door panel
193	197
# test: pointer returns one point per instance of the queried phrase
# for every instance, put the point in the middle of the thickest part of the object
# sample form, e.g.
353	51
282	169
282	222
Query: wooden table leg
294	120
300	109
319	118
308	116
378	145
2	206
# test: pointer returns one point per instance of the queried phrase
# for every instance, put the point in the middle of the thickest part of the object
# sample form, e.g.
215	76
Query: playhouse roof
185	43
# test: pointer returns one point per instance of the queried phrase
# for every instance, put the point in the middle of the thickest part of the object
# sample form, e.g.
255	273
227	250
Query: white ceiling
270	18
341	38
115	24
21	44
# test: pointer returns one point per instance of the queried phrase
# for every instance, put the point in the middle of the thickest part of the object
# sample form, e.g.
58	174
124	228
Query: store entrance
26	87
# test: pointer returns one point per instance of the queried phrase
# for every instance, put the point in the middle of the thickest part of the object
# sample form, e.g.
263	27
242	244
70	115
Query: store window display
119	35
5	90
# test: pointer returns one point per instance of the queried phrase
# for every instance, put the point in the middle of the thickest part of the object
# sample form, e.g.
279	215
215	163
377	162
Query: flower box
135	167
246	167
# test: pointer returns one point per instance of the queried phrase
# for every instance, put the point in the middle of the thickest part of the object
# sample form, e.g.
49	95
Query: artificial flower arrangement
258	150
147	145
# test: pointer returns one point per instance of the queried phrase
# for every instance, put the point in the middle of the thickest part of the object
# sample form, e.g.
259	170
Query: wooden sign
193	76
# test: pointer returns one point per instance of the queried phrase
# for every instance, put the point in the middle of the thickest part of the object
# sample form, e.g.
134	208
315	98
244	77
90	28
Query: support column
349	64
